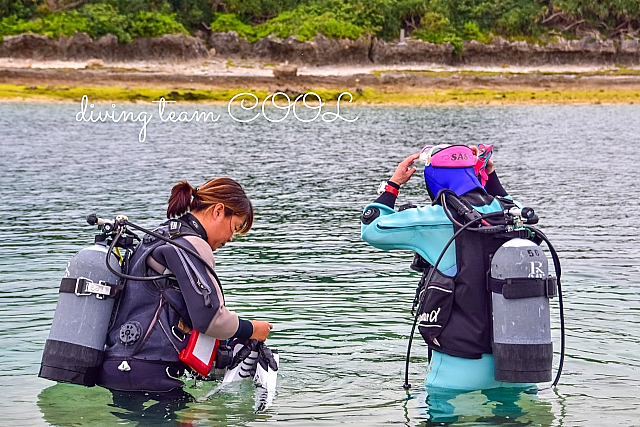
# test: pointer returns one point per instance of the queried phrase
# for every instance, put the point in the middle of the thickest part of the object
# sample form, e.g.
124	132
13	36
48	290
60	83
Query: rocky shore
212	68
323	51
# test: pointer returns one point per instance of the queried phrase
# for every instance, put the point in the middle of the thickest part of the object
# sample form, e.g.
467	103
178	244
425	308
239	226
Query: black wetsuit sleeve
387	198
493	186
204	301
245	329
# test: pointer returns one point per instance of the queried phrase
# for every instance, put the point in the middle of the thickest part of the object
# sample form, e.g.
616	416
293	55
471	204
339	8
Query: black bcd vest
454	313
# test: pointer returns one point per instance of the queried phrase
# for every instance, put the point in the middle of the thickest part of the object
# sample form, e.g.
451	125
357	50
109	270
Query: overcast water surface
340	307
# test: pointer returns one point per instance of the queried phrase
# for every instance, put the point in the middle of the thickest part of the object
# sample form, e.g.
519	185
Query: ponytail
185	198
180	199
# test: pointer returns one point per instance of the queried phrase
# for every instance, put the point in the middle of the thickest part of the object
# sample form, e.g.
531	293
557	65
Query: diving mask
447	156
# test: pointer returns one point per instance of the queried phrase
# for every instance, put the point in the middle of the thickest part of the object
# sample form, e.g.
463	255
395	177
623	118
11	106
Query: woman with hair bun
155	319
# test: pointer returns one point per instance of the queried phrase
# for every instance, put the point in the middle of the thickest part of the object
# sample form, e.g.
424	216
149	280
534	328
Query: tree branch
573	25
554	15
54	6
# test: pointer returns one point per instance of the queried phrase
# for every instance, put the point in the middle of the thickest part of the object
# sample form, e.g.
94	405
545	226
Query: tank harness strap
82	286
524	287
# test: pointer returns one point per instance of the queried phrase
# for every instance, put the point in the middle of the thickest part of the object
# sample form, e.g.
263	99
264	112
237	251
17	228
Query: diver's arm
402	174
387	198
493	186
216	320
424	230
384	235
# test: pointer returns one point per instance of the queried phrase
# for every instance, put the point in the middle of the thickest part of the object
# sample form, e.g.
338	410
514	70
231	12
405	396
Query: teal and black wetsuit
459	329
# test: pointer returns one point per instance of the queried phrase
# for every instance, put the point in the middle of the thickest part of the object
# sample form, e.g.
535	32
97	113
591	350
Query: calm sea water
340	307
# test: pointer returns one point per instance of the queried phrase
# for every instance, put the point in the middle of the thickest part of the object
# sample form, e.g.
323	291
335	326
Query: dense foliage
432	20
96	20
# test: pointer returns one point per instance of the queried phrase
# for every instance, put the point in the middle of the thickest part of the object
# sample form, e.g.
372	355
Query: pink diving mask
484	154
448	156
458	156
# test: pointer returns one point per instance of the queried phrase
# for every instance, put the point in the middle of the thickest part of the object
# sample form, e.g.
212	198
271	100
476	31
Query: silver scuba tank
521	288
74	350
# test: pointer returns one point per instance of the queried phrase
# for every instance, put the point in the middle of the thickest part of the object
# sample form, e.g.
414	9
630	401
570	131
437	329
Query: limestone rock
229	44
30	46
171	47
589	50
343	51
320	51
81	47
285	71
411	51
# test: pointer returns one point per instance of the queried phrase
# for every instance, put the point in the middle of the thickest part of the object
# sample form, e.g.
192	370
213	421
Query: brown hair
185	198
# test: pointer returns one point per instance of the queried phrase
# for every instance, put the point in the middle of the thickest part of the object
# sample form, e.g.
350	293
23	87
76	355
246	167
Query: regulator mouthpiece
94	219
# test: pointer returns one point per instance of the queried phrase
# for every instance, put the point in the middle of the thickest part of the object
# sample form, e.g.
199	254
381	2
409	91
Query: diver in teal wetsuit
456	321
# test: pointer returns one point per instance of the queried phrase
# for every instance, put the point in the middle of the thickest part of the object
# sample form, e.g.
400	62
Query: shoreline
452	97
218	81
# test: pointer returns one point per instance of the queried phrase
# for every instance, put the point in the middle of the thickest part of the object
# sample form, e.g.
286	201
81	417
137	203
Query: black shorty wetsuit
152	319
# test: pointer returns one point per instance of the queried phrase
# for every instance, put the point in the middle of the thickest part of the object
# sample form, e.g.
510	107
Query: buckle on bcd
174	228
551	287
86	286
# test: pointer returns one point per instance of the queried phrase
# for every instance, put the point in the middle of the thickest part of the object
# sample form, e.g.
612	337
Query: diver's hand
260	330
489	168
405	170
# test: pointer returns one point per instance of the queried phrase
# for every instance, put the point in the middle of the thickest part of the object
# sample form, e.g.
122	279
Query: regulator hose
124	222
557	267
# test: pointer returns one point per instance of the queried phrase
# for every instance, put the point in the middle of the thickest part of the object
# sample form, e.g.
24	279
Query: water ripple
340	307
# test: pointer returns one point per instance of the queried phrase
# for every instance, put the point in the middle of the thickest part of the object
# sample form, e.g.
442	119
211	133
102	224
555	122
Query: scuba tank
94	278
521	289
74	350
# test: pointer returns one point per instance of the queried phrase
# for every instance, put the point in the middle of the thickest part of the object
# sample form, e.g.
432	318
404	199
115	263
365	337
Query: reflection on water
506	407
67	404
341	308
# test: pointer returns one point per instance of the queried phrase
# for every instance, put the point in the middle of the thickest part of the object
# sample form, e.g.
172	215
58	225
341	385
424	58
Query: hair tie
195	192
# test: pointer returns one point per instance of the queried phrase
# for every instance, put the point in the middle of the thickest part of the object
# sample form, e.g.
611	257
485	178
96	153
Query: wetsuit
460	335
153	319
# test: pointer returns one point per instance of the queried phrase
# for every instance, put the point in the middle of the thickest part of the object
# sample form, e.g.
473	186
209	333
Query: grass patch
113	93
495	97
364	96
620	71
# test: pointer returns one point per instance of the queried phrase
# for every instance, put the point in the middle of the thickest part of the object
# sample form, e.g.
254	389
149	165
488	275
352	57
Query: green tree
21	9
104	19
149	24
437	28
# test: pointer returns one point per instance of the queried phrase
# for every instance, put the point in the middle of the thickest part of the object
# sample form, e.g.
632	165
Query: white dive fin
246	368
266	377
253	360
